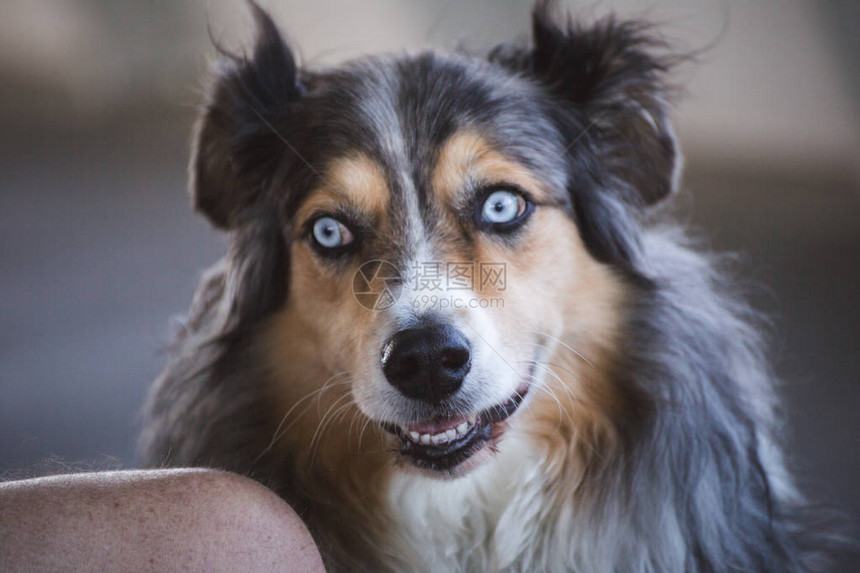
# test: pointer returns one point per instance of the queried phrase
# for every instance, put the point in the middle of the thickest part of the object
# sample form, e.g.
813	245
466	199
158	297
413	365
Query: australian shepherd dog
456	330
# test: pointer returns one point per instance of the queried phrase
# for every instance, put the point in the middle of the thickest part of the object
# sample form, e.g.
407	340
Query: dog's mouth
443	443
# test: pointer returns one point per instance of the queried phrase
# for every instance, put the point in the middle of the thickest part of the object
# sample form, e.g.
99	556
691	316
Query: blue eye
330	233
502	207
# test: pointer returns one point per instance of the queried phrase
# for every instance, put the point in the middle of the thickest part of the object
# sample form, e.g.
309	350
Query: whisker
566	387
316	443
565	345
367	422
318	394
280	431
548	389
330	412
584	440
352	423
561	410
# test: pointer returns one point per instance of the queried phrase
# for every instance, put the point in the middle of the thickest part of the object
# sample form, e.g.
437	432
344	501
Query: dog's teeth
443	437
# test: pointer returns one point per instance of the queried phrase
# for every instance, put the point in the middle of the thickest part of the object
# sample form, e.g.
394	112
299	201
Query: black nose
427	363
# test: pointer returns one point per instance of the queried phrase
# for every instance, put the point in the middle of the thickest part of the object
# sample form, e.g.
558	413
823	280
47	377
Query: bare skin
159	520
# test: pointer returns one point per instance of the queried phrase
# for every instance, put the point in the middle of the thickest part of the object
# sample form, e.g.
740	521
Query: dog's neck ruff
459	525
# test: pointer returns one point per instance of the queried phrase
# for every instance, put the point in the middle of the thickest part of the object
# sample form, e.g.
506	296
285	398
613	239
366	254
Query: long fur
694	480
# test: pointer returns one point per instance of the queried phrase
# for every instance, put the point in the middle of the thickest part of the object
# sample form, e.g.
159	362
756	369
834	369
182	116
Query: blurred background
99	249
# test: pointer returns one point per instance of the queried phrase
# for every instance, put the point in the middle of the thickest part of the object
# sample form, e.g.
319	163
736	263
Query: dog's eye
503	209
329	233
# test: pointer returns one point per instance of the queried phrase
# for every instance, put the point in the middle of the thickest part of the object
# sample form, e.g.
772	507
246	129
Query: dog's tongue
437	425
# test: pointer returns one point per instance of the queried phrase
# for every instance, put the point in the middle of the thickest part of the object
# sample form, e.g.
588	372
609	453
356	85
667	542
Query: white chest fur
493	519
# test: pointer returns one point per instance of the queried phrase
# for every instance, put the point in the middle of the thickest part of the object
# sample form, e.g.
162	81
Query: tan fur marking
553	286
336	452
572	419
356	181
468	157
315	346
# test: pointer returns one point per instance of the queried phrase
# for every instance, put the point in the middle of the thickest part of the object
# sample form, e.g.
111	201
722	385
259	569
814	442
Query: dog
457	329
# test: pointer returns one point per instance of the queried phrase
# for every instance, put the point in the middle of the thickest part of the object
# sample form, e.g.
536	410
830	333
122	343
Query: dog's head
421	237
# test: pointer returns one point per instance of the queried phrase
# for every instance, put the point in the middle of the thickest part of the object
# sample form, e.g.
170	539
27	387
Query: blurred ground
98	249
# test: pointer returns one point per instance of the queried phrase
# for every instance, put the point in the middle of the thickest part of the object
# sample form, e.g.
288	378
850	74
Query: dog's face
483	265
450	224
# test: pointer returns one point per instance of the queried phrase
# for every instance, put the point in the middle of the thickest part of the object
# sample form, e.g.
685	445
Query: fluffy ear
236	147
613	73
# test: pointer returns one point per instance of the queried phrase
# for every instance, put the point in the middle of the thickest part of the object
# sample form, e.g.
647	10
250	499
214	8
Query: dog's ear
612	73
237	146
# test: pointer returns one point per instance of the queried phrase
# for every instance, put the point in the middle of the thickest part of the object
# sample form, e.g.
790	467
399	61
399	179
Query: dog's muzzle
427	363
